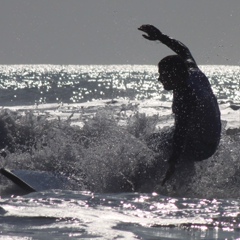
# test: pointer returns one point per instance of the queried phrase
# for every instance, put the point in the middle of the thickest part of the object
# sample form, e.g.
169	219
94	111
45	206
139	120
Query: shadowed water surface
80	215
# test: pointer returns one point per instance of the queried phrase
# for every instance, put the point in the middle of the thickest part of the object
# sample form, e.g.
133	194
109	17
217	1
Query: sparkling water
89	123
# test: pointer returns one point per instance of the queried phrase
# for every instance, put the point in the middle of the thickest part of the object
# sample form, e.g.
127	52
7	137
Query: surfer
197	126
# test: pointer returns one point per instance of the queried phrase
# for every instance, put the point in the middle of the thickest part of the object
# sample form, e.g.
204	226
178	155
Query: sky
105	31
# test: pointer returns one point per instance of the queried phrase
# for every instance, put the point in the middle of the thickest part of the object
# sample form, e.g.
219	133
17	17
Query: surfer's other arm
179	139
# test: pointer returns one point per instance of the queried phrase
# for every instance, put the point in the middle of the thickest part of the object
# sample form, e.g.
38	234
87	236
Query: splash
108	156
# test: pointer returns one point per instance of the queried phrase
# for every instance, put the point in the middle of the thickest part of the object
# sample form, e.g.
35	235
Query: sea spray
106	156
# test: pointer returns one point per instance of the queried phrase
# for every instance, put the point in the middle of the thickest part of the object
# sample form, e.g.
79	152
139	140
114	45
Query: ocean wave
110	153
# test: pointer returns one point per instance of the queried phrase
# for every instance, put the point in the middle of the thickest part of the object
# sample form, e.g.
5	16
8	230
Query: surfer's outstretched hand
169	173
152	32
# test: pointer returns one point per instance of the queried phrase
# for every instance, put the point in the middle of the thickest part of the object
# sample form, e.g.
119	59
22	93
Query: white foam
85	110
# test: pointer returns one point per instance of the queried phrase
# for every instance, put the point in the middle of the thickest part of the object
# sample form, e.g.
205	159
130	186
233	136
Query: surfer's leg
198	150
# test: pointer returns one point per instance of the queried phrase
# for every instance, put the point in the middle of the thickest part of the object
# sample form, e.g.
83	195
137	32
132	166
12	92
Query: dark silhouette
197	117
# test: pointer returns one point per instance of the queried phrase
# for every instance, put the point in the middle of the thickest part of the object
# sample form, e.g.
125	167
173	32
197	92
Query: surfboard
17	180
33	181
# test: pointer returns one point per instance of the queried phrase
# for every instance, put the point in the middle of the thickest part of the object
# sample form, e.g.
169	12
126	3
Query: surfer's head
172	72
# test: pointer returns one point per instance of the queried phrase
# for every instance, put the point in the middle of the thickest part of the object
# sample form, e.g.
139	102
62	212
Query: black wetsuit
197	117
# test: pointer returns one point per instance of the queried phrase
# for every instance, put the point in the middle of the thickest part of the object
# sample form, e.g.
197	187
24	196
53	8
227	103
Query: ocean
90	124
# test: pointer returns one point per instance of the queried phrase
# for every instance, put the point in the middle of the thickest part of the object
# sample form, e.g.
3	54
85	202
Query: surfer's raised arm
154	34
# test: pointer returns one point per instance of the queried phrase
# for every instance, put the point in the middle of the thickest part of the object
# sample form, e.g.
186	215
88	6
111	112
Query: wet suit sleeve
179	48
181	123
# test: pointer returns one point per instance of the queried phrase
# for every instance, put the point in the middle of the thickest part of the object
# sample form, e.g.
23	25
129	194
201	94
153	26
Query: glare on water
112	193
